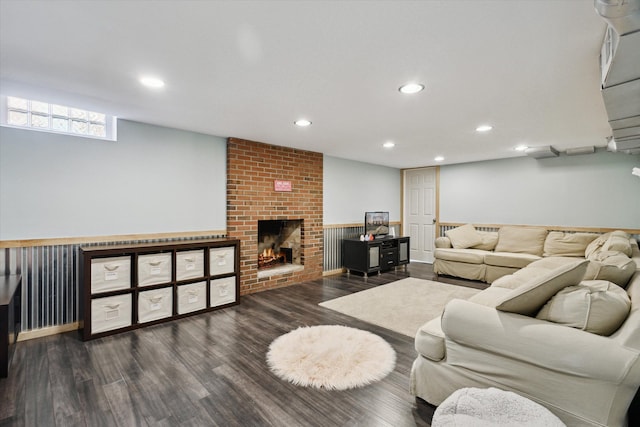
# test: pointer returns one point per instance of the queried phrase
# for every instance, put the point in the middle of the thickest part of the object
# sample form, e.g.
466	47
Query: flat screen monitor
376	223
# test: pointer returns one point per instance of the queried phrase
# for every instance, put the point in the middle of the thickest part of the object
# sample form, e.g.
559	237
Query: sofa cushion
558	243
507	259
459	269
613	241
596	306
529	297
489	296
430	340
527	240
535	269
612	266
489	240
470	256
464	236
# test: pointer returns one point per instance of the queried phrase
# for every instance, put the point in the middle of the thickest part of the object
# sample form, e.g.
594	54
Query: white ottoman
479	407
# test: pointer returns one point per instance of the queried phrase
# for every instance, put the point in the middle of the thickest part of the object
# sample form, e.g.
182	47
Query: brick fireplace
252	169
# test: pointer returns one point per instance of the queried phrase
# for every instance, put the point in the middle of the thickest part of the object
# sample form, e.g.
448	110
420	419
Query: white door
420	212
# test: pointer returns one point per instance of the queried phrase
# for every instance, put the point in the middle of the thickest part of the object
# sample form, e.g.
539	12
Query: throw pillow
596	245
521	240
529	297
558	243
595	306
464	237
611	266
613	241
618	241
489	240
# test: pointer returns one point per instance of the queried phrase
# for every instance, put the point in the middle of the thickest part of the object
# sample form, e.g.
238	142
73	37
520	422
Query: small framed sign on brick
280	185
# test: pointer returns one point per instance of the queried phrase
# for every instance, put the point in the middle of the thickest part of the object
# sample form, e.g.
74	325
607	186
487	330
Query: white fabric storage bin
110	313
154	305
223	291
110	274
221	260
192	297
189	264
154	269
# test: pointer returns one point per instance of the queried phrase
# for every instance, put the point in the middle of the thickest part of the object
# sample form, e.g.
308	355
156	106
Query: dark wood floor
208	370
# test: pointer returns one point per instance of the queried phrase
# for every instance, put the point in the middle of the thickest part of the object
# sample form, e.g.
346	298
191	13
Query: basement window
41	116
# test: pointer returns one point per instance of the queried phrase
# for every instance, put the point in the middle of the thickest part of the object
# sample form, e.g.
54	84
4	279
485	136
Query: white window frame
110	122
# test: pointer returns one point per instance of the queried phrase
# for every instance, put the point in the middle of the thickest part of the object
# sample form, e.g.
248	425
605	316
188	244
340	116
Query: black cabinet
374	256
9	319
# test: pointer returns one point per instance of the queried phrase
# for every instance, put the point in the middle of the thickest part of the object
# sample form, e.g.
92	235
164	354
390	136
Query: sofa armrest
443	242
537	342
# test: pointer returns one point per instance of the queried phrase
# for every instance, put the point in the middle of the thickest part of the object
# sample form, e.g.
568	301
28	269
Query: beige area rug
332	357
402	306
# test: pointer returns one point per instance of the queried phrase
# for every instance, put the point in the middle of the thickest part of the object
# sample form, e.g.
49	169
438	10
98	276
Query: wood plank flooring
208	370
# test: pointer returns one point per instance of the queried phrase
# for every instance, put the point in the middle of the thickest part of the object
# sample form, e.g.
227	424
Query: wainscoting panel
333	237
50	274
333	245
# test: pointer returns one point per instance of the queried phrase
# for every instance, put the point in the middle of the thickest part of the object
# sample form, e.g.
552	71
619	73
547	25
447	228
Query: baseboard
51	330
333	272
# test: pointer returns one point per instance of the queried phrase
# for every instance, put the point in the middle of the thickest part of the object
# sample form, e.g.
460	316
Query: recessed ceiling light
521	148
411	88
302	123
389	144
152	82
484	128
438	158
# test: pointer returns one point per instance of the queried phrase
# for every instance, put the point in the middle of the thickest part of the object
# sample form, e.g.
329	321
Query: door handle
434	220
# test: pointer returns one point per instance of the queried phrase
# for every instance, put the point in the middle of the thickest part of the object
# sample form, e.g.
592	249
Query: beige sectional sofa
486	256
544	331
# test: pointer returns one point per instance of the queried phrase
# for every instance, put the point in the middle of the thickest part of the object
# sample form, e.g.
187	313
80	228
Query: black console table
9	319
375	256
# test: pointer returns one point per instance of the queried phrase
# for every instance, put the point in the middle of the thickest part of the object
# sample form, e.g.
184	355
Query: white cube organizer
223	291
154	305
110	274
189	264
221	261
110	313
192	297
154	269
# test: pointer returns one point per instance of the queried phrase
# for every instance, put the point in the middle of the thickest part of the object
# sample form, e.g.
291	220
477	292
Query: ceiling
248	69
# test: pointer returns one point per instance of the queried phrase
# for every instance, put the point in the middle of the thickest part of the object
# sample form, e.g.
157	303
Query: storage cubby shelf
131	286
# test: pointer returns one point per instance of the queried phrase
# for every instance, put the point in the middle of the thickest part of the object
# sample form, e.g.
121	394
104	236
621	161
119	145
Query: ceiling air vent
541	152
581	150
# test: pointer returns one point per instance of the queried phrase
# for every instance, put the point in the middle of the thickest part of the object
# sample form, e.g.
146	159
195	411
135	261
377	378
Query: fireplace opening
279	243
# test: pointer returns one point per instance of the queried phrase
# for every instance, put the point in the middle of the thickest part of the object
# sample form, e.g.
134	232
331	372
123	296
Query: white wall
596	190
352	188
152	180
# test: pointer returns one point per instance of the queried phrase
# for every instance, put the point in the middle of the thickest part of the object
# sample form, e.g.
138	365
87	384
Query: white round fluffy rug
331	357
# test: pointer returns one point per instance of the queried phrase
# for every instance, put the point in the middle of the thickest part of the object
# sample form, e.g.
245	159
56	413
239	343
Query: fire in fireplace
279	242
270	258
